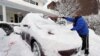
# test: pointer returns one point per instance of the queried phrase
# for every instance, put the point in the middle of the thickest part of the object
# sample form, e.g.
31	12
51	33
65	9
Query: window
1	18
36	3
32	2
18	18
27	0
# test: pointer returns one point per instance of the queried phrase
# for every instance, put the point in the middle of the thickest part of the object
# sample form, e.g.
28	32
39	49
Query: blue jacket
80	25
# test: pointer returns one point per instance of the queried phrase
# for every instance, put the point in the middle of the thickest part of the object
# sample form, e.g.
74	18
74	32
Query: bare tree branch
68	7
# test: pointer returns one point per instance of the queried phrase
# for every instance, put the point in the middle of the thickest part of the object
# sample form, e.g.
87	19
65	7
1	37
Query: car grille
68	52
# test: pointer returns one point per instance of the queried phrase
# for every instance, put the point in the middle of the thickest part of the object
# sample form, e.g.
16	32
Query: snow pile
2	32
13	45
94	46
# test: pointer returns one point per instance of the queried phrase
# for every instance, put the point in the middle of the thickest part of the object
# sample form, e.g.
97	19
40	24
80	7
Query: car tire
36	49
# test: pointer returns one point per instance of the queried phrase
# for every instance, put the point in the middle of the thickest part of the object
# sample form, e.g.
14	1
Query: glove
72	29
63	17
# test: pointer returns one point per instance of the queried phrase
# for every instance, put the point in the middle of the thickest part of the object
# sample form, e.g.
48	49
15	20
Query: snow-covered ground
94	41
94	45
13	45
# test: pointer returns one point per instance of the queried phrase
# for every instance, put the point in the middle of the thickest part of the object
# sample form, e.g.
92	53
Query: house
14	10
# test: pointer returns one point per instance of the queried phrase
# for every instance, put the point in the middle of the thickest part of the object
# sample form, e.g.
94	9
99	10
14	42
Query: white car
47	38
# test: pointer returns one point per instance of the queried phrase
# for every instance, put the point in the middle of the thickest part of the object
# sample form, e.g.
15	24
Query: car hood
58	35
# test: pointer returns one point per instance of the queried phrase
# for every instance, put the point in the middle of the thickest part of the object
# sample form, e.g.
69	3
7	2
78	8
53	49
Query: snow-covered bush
94	22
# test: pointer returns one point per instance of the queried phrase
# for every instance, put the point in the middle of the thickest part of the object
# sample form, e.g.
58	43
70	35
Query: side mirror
26	26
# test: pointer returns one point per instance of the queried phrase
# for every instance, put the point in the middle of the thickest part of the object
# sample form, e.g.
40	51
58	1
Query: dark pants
85	43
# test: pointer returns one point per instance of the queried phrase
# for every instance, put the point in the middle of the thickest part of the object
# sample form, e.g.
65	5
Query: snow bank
94	44
13	45
2	32
19	47
94	41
